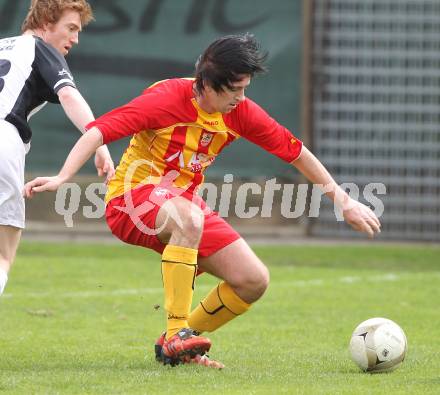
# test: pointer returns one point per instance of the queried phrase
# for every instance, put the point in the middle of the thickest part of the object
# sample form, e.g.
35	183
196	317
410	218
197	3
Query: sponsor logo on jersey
65	72
7	44
210	123
206	138
200	161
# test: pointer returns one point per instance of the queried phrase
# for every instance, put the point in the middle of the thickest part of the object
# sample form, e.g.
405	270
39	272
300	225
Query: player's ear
47	27
207	88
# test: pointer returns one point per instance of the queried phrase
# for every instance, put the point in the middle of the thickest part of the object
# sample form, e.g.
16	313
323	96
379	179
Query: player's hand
41	184
104	163
361	218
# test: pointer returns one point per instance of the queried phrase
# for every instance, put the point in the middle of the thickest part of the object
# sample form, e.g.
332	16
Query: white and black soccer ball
378	345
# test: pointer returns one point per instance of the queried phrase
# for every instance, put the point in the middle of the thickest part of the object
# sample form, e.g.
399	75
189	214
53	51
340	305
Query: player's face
229	98
63	35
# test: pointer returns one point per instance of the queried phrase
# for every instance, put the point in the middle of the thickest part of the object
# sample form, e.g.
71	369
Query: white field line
316	282
89	294
343	280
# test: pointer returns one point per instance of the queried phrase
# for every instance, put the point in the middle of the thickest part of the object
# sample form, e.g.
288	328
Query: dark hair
227	59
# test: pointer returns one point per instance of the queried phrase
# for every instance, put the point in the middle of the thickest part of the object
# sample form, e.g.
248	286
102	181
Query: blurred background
358	81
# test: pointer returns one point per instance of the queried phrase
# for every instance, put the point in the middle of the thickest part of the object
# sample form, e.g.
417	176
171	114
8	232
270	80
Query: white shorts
12	158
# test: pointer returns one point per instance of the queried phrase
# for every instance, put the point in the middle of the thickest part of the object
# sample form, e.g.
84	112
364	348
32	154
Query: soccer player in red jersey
179	126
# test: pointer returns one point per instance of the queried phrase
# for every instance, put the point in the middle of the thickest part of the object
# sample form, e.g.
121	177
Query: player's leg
181	224
153	217
238	265
245	279
12	154
171	226
9	239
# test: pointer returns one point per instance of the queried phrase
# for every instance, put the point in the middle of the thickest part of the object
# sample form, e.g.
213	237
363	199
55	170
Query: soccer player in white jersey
33	71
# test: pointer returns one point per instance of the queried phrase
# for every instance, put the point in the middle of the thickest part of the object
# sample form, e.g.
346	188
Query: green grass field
82	319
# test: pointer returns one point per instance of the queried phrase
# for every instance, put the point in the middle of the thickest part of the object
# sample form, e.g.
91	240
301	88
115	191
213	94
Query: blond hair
42	12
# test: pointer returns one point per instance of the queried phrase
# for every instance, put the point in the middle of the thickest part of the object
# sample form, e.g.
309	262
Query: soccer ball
378	345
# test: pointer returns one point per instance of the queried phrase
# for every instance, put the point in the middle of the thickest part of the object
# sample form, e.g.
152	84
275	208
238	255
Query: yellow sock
179	267
220	306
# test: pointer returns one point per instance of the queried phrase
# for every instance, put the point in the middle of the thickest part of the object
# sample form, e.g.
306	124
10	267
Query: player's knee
185	222
262	280
192	221
256	282
5	263
7	256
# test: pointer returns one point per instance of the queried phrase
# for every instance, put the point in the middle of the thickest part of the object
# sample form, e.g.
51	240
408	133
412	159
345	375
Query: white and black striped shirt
31	74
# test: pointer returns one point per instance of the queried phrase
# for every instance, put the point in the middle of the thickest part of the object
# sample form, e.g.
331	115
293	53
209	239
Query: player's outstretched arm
80	153
79	112
356	214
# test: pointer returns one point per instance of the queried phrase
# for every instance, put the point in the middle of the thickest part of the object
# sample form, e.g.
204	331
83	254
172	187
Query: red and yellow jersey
171	132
